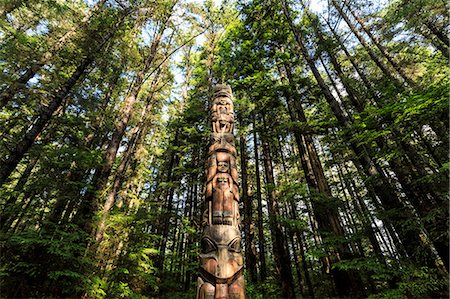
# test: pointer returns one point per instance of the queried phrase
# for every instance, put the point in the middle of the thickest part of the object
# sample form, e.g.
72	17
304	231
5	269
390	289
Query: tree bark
21	82
173	160
11	206
366	46
250	256
444	44
411	237
261	245
137	134
91	201
368	85
280	252
377	43
326	215
31	133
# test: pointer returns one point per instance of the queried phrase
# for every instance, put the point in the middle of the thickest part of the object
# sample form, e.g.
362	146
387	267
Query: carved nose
221	291
223	266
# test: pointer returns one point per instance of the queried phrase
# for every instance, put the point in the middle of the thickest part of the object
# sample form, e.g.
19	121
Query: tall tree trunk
280	252
21	82
137	134
40	121
366	46
167	212
327	217
31	133
91	201
368	85
10	6
378	44
250	257
66	203
441	34
444	44
300	242
361	214
397	165
412	237
11	207
352	94
417	193
261	245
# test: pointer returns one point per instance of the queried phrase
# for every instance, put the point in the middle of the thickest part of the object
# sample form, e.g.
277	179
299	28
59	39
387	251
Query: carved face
222	142
223	166
223	183
221	251
223	110
223	101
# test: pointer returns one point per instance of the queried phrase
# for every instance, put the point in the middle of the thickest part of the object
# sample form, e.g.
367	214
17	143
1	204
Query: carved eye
235	245
207	245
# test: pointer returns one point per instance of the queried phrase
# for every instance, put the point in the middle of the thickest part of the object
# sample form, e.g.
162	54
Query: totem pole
221	262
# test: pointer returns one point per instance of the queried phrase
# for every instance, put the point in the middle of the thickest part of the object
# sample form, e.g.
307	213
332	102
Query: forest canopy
341	127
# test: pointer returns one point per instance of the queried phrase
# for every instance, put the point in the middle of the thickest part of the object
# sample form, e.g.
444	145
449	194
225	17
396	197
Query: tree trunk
167	212
250	256
91	201
377	43
45	113
368	85
261	245
280	252
137	134
21	82
444	42
304	264
9	6
411	237
11	206
31	133
327	215
369	50
352	95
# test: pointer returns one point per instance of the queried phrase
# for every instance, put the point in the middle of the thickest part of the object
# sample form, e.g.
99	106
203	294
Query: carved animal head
221	251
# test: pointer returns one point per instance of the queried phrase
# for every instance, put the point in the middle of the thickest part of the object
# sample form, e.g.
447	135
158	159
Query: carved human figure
222	162
218	175
222	125
222	188
223	199
222	115
221	262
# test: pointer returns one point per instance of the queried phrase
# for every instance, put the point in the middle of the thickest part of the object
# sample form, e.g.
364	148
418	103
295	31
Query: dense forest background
342	126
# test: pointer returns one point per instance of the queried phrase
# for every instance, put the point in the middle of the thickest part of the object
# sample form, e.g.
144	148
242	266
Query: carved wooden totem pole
221	262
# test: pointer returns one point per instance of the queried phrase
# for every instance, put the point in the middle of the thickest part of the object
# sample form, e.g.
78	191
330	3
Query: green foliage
55	260
134	233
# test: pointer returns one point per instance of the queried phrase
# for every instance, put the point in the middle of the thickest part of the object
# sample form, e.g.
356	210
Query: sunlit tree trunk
411	237
366	46
378	44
